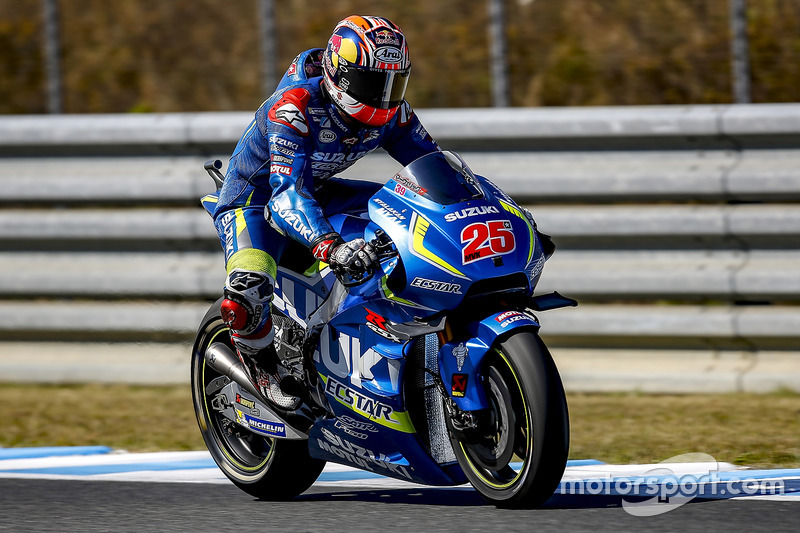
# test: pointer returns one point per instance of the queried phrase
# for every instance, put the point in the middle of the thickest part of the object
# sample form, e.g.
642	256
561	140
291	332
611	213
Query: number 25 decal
487	239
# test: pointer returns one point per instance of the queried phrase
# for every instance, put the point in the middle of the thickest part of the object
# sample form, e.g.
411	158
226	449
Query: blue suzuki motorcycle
430	371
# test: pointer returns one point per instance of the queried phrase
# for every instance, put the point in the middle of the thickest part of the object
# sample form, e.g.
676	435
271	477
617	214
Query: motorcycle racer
331	108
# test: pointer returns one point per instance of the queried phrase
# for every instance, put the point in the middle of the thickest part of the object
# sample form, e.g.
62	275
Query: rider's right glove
350	261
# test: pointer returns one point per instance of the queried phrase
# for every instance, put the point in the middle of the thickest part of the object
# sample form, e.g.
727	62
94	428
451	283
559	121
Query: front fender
460	360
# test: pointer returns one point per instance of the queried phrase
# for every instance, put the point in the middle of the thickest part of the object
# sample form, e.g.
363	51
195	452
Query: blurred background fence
676	214
677	228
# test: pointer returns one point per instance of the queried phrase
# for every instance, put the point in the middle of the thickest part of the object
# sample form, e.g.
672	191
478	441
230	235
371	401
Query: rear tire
269	469
527	422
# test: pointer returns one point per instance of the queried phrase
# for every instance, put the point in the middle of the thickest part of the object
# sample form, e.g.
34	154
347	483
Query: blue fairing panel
460	361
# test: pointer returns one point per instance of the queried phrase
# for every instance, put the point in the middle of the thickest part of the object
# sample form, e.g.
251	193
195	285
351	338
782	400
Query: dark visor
383	89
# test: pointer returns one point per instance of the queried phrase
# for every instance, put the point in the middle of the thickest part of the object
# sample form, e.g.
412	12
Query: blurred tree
619	52
149	55
22	87
775	50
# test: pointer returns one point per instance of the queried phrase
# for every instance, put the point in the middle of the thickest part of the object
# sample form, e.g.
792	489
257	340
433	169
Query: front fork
461	360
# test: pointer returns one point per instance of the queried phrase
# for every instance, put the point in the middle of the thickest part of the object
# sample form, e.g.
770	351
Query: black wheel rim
506	436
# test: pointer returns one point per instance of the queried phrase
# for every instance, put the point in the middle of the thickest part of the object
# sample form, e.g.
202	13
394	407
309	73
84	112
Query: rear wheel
270	469
517	455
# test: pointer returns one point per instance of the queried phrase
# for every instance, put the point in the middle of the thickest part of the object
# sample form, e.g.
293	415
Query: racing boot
275	382
246	311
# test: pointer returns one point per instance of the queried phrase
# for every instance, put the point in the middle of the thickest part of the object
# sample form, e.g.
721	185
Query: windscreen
442	177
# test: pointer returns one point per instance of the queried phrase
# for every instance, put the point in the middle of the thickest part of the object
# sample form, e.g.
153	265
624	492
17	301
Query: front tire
269	469
517	455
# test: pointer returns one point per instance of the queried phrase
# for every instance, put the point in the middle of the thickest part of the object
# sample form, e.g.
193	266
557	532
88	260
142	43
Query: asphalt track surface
94	489
32	505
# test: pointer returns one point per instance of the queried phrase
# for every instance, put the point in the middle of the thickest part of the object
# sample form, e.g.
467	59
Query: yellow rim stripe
528	427
208	417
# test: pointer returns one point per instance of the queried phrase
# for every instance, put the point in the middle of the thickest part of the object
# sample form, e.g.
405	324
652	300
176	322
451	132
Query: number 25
487	239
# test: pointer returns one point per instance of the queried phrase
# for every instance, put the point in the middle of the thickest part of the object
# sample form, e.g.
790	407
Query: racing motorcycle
429	371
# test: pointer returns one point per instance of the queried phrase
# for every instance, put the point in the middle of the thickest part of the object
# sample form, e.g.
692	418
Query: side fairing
362	371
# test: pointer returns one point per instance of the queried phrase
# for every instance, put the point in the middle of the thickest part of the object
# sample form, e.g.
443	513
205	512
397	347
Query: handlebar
384	249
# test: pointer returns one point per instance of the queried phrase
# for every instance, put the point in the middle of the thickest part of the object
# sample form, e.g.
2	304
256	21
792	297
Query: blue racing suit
280	186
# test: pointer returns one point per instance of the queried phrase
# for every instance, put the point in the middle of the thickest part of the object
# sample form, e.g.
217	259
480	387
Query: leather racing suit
280	186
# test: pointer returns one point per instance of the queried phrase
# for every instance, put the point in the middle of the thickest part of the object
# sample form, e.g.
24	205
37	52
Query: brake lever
383	245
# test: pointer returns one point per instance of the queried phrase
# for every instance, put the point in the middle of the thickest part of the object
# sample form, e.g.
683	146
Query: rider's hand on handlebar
351	261
356	259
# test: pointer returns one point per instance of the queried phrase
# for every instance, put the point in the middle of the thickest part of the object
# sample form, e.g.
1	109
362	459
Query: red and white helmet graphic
366	68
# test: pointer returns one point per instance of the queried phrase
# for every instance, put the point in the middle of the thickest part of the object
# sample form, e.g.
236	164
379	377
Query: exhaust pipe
223	360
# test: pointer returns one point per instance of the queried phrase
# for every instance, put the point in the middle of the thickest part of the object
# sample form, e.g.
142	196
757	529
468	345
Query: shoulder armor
290	109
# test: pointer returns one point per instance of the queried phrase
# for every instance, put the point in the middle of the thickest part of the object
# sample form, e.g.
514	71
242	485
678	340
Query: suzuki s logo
388	55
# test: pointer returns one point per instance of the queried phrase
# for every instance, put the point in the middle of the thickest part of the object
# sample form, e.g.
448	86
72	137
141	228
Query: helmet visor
382	89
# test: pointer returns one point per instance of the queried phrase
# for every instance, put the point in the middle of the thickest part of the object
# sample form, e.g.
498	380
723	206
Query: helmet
366	68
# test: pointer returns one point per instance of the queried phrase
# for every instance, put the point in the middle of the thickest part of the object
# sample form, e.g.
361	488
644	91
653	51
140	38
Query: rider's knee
246	306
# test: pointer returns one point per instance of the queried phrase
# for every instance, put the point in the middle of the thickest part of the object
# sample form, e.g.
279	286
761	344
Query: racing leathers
280	186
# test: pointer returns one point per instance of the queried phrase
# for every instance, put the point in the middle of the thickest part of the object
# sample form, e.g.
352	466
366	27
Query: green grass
760	431
123	417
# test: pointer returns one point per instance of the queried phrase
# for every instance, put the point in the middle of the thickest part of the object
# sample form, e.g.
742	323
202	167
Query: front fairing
449	243
446	248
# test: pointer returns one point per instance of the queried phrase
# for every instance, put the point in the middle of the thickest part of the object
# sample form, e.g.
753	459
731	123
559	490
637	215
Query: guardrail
677	228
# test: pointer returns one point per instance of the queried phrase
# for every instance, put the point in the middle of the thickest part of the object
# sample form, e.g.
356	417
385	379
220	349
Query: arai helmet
366	68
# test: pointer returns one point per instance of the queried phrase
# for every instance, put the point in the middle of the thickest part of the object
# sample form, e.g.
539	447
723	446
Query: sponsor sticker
386	37
359	455
408	184
434	285
377	324
355	428
281	169
327	136
290	115
461	353
471	212
259	425
507	314
458	385
388	54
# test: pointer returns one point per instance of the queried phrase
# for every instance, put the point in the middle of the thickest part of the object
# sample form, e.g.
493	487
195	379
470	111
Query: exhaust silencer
223	360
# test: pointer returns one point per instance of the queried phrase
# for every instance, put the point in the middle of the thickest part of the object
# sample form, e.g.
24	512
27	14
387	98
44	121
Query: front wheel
270	469
516	456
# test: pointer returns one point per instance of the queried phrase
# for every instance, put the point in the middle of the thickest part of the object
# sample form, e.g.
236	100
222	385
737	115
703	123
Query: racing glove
351	261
